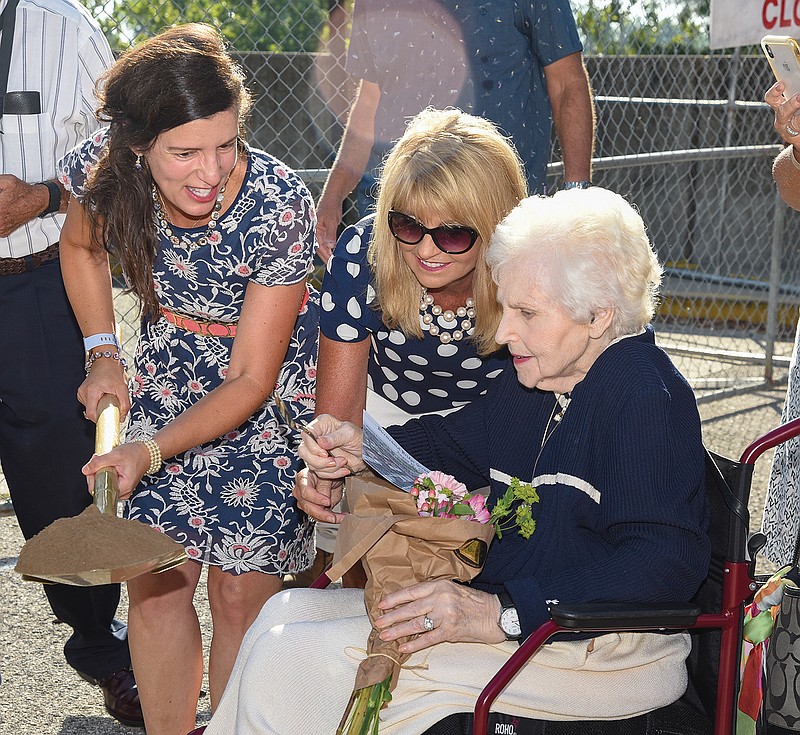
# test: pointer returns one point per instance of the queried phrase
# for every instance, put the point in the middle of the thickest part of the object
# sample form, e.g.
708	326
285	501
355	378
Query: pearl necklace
438	320
210	235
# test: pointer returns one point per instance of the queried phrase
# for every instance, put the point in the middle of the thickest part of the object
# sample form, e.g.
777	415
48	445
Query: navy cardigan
622	513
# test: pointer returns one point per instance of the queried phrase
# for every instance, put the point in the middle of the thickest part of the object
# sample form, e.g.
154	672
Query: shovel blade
95	577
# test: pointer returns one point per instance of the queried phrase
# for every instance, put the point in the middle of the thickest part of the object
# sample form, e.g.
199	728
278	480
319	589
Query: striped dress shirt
58	51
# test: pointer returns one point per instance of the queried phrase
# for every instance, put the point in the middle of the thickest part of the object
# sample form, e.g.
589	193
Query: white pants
295	670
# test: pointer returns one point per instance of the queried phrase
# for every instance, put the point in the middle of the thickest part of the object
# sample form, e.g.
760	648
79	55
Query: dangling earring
138	164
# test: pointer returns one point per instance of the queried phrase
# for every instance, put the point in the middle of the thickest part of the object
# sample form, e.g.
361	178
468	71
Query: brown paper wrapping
399	548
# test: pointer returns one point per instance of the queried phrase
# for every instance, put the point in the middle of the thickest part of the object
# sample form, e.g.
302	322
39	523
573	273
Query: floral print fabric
228	502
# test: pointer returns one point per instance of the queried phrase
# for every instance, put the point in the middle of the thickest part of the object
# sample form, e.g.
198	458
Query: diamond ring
427	623
790	131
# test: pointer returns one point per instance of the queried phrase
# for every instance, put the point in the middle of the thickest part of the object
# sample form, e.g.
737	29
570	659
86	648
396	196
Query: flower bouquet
438	530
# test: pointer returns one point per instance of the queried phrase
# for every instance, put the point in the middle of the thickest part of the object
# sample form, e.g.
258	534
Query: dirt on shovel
92	542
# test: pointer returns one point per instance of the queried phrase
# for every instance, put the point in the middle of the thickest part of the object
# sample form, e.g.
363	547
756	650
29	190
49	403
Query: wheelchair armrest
587	617
622	616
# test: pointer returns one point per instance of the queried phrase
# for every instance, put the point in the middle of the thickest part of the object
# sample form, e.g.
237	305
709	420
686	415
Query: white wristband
96	340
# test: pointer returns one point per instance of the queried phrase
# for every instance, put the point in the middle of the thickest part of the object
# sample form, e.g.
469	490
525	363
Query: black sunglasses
453	240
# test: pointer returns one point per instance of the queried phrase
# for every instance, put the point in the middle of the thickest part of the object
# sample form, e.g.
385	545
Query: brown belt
15	266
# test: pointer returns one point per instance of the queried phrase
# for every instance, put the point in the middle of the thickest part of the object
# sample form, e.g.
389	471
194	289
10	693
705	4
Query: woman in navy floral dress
226	361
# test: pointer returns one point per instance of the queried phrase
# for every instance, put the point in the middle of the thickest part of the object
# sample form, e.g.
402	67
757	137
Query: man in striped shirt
57	53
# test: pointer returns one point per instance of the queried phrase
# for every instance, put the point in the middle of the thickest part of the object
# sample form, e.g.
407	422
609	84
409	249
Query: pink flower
196	522
173	469
243	269
445	482
477	502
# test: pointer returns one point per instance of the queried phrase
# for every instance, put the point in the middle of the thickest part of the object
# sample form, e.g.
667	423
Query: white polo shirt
59	51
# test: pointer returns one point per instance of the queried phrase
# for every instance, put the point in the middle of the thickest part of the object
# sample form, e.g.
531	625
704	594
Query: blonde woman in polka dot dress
408	305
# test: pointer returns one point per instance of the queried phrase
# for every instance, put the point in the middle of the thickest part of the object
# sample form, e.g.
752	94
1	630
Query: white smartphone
783	55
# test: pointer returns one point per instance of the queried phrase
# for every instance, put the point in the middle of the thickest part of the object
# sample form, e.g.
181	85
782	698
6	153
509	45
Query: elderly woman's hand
331	448
458	614
786	124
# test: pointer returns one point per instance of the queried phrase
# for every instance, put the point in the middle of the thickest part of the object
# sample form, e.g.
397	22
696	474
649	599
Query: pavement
40	694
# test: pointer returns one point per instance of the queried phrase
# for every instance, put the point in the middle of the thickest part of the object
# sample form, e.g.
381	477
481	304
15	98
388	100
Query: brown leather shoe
121	697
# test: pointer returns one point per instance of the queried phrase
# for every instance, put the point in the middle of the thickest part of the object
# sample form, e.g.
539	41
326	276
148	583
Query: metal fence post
774	284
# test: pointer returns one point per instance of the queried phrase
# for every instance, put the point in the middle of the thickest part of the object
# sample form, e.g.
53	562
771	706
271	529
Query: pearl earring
138	164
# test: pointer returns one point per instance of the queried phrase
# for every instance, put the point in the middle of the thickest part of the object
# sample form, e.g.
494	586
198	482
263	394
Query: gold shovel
96	547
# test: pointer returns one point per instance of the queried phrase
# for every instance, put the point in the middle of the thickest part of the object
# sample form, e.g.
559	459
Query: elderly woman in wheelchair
602	424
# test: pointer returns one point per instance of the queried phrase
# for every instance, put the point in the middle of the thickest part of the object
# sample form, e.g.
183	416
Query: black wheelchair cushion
675	719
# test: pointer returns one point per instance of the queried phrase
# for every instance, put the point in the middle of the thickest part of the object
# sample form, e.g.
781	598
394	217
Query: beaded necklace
210	235
443	323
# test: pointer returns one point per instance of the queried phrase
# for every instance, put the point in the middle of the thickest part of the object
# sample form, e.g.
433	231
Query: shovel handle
106	486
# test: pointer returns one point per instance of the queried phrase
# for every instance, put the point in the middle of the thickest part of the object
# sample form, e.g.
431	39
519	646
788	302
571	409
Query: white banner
744	22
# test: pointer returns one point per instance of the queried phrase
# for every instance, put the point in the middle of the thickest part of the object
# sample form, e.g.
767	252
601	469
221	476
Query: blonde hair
593	246
456	167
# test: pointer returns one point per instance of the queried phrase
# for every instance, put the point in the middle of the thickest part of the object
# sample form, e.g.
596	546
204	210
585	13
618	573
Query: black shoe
121	696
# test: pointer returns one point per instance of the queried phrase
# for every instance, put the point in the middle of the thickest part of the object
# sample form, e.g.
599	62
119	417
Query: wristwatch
576	185
509	617
55	198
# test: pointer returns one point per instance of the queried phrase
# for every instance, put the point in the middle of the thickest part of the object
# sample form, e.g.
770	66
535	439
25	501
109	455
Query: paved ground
40	694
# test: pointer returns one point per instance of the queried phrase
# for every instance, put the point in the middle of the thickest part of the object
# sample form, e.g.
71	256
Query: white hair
593	246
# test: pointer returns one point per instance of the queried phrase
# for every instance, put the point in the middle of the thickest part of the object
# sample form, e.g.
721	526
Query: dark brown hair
181	75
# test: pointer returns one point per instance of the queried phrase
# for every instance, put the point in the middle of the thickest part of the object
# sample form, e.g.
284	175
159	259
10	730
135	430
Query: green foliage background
623	27
249	25
627	27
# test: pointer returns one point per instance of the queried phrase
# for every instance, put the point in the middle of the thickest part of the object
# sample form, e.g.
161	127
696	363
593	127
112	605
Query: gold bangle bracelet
155	455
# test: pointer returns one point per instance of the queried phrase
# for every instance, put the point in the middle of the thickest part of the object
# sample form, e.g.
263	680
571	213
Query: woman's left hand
458	613
130	462
787	122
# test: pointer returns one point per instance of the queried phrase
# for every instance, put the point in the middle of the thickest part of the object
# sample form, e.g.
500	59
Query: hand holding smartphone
783	55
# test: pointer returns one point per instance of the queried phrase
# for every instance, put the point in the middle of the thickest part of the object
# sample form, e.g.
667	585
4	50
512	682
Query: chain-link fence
684	136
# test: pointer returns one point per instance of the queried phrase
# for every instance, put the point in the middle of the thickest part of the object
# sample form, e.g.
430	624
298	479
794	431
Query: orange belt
212	329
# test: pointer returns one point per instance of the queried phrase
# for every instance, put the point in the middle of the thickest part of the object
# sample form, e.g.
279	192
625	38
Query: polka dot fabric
417	375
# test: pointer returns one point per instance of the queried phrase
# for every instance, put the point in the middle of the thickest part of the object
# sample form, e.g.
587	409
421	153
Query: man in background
57	53
519	64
